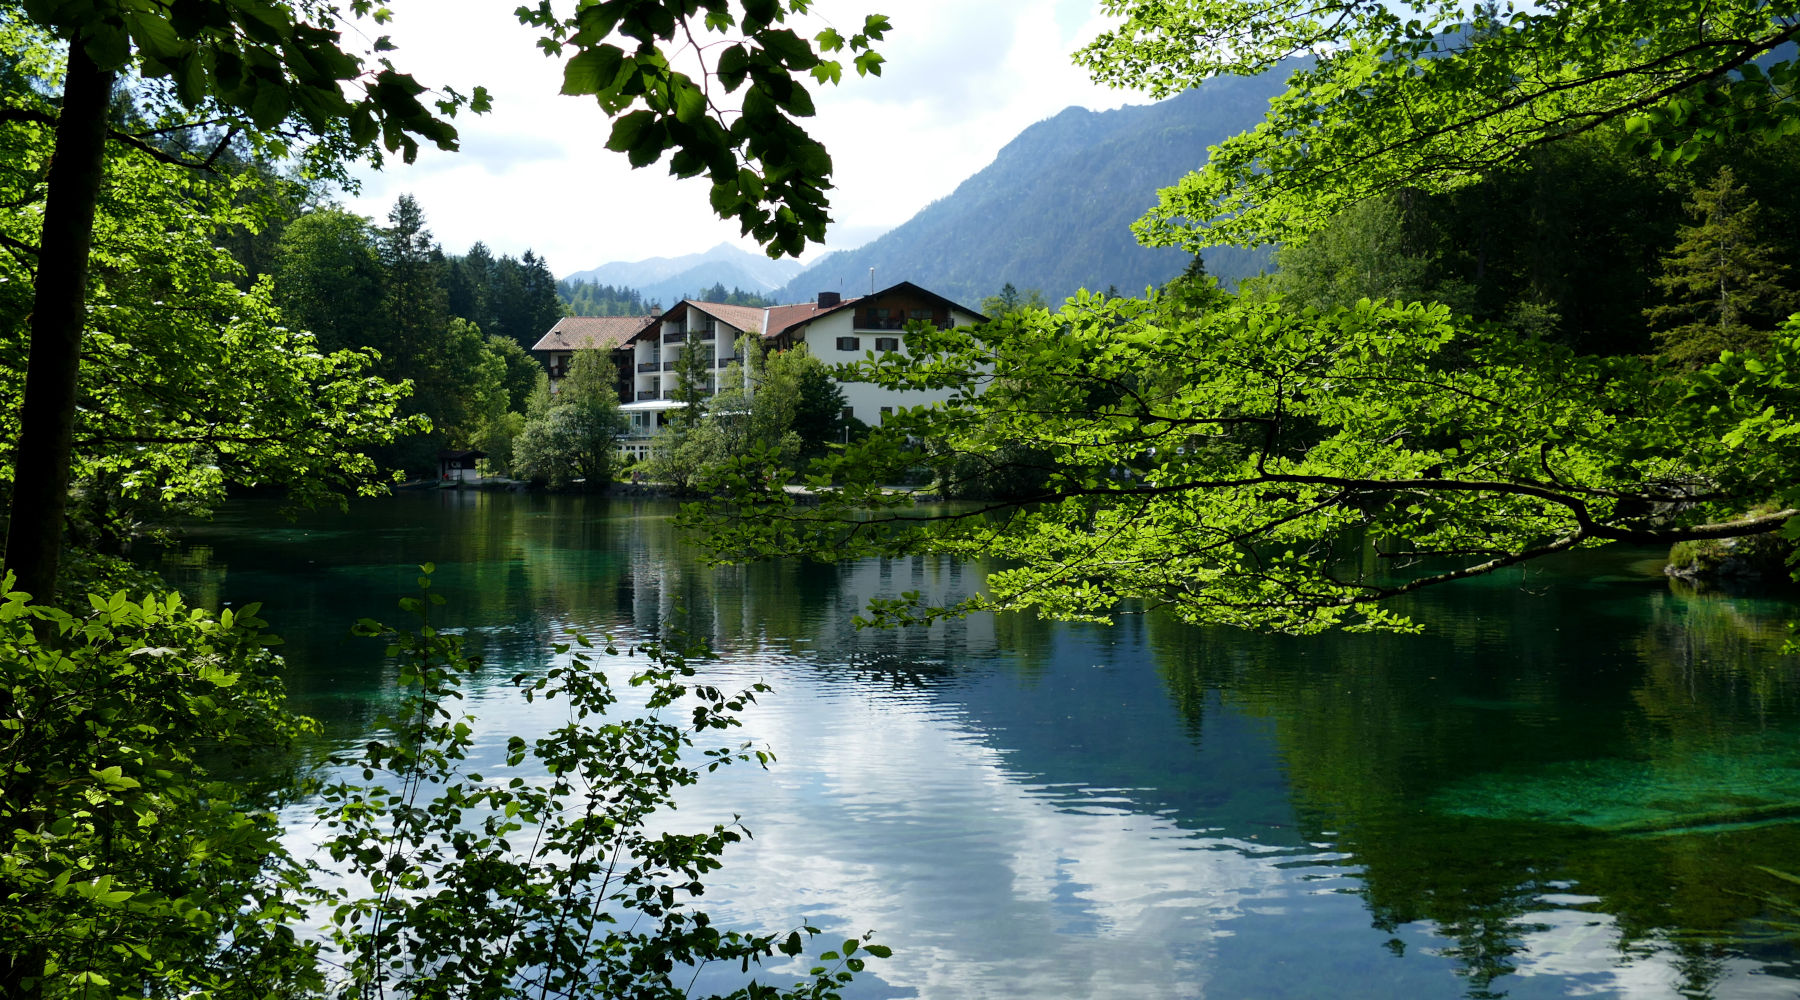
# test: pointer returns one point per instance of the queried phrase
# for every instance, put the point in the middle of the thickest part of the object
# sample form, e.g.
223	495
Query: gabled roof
573	333
577	332
783	318
741	317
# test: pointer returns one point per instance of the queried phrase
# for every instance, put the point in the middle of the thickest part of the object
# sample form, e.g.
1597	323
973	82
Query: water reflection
1566	786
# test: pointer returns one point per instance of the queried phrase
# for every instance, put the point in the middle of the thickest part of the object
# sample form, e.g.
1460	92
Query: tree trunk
47	418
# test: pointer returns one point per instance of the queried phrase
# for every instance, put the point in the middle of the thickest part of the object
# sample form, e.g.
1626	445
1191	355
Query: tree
471	285
190	378
1011	300
1722	278
521	371
521	295
302	82
693	383
574	438
328	278
1364	254
276	74
1431	94
1279	468
819	410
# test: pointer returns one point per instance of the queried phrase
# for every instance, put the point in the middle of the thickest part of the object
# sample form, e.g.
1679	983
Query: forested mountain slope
1054	209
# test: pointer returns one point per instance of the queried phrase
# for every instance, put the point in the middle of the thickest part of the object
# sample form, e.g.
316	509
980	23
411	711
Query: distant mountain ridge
667	280
1054	209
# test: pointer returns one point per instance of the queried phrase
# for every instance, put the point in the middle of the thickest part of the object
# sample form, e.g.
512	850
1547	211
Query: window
886	412
849	343
849	413
887	343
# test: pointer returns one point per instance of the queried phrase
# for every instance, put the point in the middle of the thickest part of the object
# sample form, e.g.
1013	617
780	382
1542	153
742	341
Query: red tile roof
579	332
741	317
782	318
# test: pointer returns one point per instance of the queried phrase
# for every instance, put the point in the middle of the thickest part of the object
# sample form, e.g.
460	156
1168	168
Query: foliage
543	874
1258	465
512	298
328	280
1366	253
771	411
818	404
1432	94
1010	300
573	436
765	170
586	298
141	856
149	863
693	382
190	383
1722	278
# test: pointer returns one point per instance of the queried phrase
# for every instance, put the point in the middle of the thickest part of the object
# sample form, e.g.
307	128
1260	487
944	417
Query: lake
1568	785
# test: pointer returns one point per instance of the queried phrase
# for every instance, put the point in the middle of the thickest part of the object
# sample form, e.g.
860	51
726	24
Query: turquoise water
1565	787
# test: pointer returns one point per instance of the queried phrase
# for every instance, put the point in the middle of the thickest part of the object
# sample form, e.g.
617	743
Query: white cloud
960	81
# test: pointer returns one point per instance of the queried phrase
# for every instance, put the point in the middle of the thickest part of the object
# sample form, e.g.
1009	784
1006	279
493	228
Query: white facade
835	330
848	335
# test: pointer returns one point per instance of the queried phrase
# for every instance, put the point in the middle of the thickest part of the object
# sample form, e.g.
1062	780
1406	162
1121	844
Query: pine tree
539	306
693	383
477	267
414	305
1726	289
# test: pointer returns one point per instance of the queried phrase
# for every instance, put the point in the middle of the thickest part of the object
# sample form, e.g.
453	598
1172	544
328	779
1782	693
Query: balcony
724	361
668	366
706	334
644	394
674	338
648	366
866	322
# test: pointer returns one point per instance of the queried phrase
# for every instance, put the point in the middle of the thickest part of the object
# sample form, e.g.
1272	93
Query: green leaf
592	70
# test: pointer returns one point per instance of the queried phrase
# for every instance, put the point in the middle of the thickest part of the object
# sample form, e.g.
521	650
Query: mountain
670	279
1054	209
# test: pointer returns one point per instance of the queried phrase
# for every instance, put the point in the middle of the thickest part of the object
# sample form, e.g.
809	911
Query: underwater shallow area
1573	783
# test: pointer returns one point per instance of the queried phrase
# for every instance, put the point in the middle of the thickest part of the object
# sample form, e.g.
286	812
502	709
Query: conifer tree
1725	285
693	383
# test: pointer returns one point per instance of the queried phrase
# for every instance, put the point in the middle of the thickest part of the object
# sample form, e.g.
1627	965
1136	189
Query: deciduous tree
575	438
278	75
1281	468
1433	94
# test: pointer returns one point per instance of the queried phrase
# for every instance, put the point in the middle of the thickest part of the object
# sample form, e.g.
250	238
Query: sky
960	81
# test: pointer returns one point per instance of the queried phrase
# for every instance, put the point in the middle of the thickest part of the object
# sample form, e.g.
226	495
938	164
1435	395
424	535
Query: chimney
655	311
828	300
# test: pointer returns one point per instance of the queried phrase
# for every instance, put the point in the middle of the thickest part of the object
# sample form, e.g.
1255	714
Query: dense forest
587	298
1562	321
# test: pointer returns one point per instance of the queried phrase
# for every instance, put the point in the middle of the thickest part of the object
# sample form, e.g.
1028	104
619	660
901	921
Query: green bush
143	858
